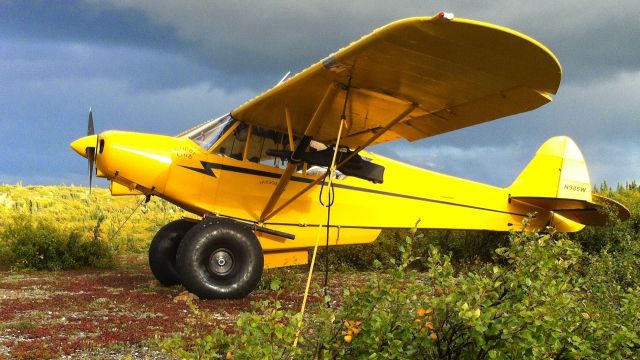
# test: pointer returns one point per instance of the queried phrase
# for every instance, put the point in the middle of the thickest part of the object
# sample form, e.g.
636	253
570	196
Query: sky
163	66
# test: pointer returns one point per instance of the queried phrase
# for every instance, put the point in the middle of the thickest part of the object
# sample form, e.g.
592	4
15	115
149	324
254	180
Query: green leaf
275	284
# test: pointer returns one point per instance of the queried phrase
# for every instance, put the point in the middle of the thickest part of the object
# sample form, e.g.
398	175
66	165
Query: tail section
558	170
557	180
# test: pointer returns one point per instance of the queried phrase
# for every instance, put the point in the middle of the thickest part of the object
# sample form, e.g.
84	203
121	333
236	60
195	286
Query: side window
263	140
233	146
260	141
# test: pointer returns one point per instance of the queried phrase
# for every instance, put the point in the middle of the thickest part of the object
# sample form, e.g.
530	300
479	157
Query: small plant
265	333
279	279
34	245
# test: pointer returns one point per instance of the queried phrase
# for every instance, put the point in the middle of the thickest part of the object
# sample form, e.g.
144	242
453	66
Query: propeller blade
91	155
91	151
90	130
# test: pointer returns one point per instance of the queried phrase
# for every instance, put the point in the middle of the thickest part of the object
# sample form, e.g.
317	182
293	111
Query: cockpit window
208	133
234	144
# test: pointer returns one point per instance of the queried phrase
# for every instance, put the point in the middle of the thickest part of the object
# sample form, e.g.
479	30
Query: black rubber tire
200	254
163	250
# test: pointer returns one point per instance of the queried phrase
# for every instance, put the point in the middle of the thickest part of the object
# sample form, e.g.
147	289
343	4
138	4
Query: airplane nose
80	145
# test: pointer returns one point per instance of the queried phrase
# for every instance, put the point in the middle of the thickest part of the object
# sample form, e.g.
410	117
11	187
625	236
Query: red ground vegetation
53	315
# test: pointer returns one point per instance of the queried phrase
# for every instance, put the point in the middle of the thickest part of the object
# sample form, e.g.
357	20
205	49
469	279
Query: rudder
557	180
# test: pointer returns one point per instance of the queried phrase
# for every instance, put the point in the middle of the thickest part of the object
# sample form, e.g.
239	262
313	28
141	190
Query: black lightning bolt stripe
207	169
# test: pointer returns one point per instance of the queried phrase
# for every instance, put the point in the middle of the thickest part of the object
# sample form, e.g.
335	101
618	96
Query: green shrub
465	247
36	245
542	298
279	279
126	224
594	239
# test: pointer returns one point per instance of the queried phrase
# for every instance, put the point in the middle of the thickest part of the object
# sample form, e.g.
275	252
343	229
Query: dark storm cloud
161	66
248	43
141	68
602	119
83	22
592	40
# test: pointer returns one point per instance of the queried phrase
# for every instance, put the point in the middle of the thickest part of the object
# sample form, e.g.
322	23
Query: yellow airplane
254	177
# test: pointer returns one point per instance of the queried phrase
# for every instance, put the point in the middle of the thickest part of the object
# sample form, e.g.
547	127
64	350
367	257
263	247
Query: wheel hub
221	262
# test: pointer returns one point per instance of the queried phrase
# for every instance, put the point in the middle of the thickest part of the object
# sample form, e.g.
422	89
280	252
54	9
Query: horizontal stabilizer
595	213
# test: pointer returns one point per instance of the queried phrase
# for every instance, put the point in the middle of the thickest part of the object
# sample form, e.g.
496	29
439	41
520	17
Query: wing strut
312	129
287	117
379	133
373	138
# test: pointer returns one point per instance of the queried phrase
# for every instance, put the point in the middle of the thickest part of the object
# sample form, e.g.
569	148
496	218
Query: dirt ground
112	314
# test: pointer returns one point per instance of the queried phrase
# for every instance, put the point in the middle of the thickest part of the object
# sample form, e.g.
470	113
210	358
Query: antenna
284	77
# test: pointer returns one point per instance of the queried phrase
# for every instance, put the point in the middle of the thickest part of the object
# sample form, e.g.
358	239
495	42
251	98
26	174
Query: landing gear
220	258
163	249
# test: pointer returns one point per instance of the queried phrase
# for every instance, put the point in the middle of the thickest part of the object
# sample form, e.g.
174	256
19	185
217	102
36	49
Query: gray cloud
497	164
601	116
40	117
141	68
161	66
248	43
95	23
592	40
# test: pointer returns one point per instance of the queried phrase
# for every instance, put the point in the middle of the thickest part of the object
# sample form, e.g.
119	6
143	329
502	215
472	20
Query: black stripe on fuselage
242	170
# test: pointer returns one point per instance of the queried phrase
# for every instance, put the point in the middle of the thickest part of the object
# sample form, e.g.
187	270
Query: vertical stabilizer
558	170
557	180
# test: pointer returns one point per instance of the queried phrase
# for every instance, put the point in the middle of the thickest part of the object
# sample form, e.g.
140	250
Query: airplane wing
435	75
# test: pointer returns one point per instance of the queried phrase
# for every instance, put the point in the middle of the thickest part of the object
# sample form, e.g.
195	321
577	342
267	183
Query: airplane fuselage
208	183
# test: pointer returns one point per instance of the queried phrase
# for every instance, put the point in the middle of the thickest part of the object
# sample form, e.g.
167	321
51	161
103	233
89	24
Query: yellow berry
348	339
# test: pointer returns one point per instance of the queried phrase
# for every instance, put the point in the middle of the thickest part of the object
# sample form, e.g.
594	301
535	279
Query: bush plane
253	177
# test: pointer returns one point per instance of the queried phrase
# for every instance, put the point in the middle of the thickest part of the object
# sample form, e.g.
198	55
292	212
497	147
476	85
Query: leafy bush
278	279
596	239
36	245
543	298
465	247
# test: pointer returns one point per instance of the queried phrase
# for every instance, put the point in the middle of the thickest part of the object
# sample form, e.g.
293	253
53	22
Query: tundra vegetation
424	294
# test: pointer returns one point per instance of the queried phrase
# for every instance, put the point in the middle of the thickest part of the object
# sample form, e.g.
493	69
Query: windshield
208	133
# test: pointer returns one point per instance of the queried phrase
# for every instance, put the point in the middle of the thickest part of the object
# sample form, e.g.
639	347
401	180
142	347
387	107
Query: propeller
91	151
86	147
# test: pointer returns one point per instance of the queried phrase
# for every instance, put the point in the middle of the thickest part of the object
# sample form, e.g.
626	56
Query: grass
95	215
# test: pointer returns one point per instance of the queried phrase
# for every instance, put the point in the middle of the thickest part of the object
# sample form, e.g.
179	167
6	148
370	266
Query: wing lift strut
343	158
312	129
